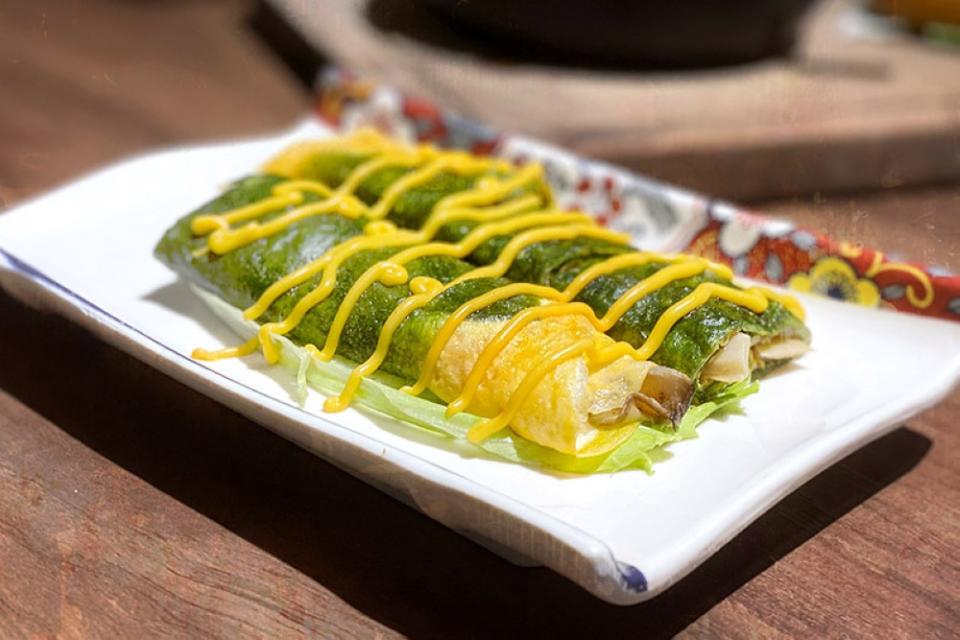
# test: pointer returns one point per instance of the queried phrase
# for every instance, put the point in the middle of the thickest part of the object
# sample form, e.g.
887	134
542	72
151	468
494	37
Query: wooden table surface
851	109
132	506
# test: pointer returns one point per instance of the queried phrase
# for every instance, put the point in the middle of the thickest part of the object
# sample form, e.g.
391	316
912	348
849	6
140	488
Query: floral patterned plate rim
661	216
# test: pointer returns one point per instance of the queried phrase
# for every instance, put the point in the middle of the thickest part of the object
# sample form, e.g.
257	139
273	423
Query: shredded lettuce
380	394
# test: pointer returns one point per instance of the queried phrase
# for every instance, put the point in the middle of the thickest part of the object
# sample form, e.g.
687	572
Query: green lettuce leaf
380	394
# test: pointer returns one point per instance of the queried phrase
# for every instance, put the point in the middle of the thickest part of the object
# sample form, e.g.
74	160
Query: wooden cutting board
854	109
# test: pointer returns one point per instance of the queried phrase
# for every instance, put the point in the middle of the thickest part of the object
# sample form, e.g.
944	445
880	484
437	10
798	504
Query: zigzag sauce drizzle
501	205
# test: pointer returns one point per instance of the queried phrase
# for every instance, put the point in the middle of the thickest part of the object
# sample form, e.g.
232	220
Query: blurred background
843	115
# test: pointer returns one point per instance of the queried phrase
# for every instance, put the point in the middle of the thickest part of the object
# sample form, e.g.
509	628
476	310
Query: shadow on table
388	561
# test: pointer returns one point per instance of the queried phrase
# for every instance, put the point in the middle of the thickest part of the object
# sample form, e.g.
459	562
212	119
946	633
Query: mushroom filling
737	359
731	363
781	349
664	395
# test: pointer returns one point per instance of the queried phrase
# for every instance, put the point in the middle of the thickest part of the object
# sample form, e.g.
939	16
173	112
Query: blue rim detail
32	272
22	267
632	578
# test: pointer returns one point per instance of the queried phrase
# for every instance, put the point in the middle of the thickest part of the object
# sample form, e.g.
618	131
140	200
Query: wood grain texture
85	82
846	113
132	506
89	550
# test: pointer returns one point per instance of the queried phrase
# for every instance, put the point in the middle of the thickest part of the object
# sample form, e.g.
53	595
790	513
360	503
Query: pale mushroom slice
664	395
781	349
731	363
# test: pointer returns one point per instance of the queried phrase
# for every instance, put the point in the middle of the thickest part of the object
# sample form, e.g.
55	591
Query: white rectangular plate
86	250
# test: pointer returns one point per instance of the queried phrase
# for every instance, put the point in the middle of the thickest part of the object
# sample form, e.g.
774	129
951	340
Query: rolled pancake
776	335
559	413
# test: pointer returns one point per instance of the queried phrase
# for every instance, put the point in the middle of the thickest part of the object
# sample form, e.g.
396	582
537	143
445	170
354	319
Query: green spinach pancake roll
454	281
716	344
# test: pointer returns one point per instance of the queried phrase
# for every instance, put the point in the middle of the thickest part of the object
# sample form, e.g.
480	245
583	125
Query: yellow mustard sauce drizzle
490	190
368	168
379	229
340	253
456	162
486	428
202	225
341	200
493	202
424	289
598	355
577	285
789	302
244	349
503	337
462	312
623	304
391	272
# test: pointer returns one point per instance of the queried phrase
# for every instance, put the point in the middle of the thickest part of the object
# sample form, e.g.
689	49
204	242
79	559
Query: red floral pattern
660	216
